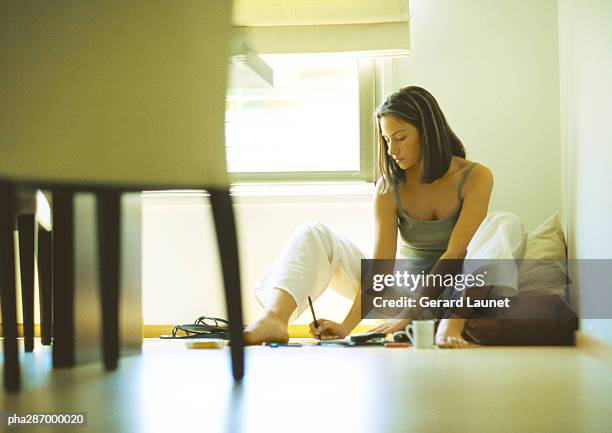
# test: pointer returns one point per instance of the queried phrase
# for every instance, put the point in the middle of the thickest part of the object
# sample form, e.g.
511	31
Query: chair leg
109	218
8	298
63	279
228	249
45	284
27	249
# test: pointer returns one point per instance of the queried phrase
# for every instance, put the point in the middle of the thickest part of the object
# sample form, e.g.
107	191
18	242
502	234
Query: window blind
366	27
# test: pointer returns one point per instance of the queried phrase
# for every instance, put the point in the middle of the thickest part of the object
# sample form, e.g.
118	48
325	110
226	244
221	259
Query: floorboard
325	389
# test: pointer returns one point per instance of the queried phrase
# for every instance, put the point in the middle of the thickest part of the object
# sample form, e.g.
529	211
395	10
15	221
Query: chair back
114	92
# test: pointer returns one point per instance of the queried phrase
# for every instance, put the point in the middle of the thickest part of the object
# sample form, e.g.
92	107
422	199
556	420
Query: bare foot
449	333
269	328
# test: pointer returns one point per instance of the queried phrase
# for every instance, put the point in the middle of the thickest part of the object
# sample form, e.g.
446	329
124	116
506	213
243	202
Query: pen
316	322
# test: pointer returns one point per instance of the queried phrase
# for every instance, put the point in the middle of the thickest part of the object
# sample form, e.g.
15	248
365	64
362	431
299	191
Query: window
315	124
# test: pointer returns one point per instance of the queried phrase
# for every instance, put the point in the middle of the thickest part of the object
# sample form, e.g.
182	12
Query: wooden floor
326	389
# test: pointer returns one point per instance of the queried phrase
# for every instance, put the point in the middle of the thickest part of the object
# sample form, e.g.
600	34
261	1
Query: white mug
422	334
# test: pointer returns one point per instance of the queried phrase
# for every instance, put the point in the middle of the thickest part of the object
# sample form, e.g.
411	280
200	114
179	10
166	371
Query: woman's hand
328	330
392	326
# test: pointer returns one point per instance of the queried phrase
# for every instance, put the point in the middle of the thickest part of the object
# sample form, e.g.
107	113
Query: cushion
542	319
544	269
546	241
539	314
521	332
543	277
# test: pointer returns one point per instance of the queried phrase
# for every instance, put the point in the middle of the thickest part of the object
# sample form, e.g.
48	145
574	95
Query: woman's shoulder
472	168
383	188
385	200
385	194
476	174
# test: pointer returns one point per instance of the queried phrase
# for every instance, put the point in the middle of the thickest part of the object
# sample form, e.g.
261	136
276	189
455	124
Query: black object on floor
203	327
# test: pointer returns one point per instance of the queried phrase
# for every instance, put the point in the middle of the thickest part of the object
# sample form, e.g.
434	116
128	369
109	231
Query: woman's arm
385	224
385	244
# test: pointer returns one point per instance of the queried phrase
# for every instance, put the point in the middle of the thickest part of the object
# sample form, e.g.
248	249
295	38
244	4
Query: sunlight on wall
181	276
493	67
586	95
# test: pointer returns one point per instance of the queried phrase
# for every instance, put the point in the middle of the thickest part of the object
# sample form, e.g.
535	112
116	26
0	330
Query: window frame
369	71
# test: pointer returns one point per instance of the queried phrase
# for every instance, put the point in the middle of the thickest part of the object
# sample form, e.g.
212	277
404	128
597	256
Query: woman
428	193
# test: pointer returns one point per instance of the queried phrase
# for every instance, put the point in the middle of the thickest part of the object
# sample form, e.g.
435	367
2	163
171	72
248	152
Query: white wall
585	30
493	67
181	276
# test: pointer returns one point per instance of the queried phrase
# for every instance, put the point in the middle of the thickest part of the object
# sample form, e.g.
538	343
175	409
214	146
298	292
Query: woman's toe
451	341
442	342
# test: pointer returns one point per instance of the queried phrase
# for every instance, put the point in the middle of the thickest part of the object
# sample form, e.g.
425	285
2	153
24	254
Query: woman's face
403	141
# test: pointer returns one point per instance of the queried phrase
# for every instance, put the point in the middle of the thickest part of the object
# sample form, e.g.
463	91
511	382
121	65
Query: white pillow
547	241
544	269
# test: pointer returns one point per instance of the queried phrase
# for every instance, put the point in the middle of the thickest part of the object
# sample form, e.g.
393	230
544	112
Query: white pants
316	258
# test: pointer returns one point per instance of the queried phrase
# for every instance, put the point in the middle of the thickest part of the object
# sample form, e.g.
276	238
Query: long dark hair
439	143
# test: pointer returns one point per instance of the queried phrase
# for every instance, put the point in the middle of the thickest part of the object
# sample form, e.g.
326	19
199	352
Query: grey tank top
427	240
